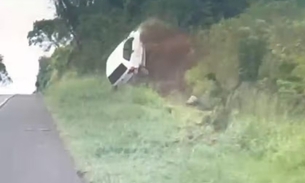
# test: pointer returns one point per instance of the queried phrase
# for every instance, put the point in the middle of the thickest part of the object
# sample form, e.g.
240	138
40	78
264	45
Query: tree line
90	29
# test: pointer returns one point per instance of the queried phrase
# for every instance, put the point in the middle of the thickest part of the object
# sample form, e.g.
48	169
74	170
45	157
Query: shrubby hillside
243	61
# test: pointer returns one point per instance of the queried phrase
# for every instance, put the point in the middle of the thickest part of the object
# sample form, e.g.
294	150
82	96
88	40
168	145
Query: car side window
127	50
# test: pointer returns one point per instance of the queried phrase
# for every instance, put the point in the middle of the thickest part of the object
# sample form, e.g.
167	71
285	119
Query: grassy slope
131	137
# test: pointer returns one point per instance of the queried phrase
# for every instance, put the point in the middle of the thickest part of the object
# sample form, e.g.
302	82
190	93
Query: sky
16	20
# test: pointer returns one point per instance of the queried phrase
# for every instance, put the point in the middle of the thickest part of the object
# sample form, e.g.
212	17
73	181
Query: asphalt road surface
30	148
3	98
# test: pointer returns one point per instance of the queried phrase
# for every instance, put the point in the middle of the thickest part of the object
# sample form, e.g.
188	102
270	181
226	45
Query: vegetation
248	76
257	50
4	77
134	135
89	30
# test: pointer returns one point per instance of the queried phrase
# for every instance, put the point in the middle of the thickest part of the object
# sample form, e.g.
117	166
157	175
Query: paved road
30	148
3	98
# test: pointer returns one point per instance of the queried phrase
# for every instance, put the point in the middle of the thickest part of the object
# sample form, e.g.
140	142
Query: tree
5	79
92	28
123	14
44	73
49	33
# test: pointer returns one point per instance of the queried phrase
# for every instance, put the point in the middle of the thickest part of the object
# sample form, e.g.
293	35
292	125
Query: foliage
257	45
149	143
258	55
49	33
93	28
4	77
53	68
44	73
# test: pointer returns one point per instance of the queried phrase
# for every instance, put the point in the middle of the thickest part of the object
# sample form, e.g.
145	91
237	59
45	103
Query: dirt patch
169	55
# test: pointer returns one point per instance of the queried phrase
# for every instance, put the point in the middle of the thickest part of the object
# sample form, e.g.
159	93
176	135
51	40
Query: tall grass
131	136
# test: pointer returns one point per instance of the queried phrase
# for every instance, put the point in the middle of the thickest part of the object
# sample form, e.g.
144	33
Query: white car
126	60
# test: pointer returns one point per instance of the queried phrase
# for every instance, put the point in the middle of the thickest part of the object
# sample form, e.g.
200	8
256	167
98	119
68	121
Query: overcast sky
16	19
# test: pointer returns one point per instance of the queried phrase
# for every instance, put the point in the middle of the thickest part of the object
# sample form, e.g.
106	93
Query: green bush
264	43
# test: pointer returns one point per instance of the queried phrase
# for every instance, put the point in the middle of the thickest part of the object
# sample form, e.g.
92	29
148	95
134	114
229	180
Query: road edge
5	101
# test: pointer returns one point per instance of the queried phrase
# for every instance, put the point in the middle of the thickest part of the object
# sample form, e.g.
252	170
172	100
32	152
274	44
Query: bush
255	47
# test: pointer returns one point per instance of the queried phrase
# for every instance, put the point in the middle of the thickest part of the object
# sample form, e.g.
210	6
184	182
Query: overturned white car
126	60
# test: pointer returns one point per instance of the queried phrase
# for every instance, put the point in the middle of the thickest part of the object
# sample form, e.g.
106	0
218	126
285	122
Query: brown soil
169	56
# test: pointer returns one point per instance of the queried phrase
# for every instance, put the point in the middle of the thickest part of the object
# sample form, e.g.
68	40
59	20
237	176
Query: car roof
115	59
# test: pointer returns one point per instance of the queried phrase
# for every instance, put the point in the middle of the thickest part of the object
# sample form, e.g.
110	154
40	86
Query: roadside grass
133	136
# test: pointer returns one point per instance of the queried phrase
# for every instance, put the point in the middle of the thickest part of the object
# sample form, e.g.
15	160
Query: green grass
131	136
